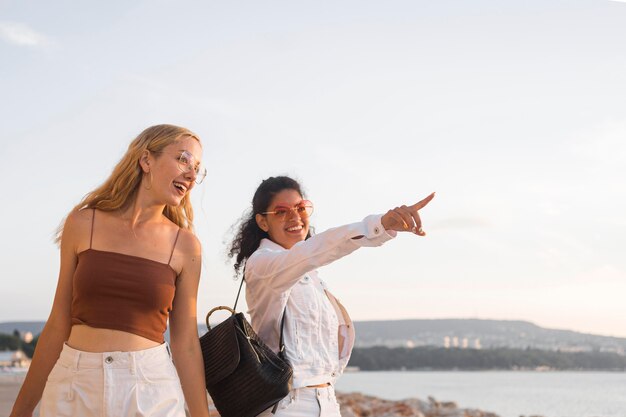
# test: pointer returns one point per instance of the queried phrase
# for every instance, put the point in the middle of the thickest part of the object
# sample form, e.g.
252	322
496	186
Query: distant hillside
35	327
380	358
481	334
462	333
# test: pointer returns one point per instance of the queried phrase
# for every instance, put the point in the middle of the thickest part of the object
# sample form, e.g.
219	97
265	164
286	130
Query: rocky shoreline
352	404
359	405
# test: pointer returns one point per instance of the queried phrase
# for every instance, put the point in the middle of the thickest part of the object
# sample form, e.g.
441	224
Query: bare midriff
91	339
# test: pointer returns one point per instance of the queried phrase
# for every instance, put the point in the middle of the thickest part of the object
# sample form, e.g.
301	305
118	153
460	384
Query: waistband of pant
78	359
310	392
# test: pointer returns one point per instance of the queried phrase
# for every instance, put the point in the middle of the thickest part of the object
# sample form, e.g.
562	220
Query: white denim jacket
318	333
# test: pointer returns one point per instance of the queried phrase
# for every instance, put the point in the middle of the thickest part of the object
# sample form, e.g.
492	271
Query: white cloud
22	35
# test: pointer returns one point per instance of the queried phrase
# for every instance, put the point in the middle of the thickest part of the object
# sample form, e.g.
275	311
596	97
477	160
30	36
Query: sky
512	112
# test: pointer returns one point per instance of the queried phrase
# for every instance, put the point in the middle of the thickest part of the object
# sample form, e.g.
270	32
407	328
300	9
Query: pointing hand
406	218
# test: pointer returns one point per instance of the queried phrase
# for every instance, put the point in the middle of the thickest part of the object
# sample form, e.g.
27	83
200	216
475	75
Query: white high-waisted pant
113	384
307	402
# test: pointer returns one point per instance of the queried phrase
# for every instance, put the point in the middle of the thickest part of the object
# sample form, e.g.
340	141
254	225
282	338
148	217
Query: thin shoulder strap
239	292
93	218
281	342
174	247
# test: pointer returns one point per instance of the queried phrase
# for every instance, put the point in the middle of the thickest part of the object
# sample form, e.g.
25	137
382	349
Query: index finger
422	203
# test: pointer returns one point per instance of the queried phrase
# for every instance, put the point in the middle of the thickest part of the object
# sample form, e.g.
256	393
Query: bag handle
213	311
233	310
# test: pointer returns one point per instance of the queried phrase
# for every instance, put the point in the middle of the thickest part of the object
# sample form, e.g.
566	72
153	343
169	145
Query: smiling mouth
294	228
182	189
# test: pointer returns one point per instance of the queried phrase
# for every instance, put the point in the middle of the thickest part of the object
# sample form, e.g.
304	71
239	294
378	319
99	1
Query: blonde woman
129	263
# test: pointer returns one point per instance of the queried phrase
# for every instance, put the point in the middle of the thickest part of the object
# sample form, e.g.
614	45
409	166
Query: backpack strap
281	342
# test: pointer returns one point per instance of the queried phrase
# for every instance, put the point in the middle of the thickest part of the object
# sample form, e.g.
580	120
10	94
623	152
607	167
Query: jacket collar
268	244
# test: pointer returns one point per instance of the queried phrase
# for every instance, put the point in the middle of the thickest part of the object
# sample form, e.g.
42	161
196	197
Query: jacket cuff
374	229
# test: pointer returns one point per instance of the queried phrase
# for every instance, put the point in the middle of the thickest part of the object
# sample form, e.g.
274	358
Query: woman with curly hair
279	258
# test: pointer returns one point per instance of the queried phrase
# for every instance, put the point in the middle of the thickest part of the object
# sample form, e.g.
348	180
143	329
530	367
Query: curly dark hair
248	234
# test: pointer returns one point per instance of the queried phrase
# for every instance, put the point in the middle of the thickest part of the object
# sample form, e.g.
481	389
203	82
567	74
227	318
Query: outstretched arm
282	268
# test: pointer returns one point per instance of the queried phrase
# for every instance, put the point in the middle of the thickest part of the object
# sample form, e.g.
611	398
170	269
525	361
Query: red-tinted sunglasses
303	208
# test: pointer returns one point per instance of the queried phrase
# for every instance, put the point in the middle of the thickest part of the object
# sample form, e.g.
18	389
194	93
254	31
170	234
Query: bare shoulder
188	255
79	217
188	244
77	228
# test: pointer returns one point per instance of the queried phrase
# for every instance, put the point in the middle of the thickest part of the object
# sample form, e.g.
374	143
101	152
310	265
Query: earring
150	186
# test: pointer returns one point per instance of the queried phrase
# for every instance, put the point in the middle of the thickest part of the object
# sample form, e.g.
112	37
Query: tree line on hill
381	358
15	342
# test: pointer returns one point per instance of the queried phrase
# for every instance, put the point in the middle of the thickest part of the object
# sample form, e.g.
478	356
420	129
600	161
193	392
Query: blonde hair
120	189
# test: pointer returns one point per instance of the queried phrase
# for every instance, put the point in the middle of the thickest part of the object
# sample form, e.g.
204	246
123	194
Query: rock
359	405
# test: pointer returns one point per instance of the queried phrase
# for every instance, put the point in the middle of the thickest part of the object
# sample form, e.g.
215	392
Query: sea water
506	393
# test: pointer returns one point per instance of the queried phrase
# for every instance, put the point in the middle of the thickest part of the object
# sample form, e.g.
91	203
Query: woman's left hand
406	218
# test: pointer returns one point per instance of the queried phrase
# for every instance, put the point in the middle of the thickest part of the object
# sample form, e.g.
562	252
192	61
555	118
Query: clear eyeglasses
187	163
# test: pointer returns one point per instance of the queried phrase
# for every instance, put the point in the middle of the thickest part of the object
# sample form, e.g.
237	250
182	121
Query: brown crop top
112	290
